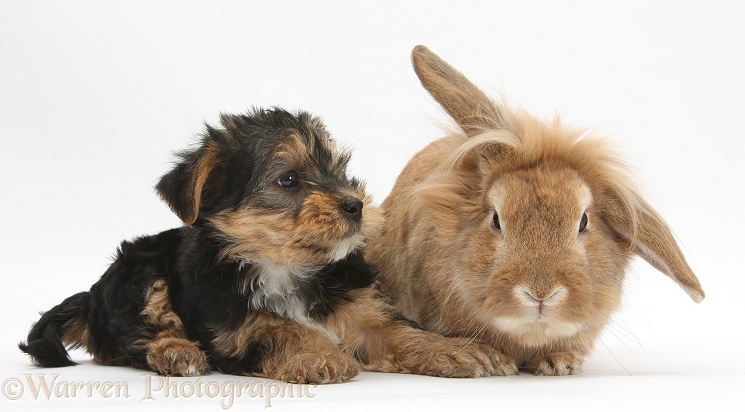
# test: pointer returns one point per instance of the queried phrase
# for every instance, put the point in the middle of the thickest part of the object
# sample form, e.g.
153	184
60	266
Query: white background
96	95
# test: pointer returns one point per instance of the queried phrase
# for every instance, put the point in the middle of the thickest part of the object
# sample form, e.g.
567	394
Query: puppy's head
271	186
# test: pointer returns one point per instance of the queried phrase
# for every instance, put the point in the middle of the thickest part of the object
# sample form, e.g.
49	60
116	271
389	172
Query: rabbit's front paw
421	352
462	358
556	364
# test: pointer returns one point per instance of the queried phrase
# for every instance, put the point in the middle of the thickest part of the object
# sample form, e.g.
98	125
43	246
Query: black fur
202	284
44	340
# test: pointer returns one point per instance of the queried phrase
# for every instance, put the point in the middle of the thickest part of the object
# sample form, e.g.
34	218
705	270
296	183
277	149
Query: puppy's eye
495	221
289	179
583	223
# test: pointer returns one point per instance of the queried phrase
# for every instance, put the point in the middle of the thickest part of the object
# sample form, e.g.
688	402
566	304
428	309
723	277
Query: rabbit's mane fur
521	142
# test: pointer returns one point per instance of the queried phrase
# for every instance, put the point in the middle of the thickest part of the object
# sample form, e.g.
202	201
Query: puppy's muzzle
352	208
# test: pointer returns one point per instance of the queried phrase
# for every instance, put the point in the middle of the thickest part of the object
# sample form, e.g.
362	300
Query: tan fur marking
207	162
157	310
76	333
170	352
258	234
321	220
296	353
292	150
255	234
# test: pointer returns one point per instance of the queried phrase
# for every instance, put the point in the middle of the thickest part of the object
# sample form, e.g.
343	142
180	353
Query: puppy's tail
64	325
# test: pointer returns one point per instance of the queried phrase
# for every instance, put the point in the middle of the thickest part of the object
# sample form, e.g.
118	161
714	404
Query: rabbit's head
516	225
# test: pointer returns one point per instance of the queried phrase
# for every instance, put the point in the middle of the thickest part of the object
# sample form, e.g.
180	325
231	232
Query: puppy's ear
183	187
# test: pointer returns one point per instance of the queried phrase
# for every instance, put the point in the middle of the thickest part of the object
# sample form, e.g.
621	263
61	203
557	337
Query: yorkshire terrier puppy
266	278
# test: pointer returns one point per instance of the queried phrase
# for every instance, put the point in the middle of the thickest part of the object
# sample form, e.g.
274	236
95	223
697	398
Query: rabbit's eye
495	221
583	223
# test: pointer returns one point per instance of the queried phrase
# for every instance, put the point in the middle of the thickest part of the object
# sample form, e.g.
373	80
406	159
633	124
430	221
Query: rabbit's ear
473	110
650	237
184	186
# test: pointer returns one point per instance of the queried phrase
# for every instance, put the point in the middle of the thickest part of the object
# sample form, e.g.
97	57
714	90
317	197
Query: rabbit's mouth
536	330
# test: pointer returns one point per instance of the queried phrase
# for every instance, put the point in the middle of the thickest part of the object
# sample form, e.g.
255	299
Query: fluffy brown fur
266	278
516	232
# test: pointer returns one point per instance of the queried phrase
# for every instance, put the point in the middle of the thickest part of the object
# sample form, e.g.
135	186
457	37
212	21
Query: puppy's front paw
316	368
177	357
461	358
556	364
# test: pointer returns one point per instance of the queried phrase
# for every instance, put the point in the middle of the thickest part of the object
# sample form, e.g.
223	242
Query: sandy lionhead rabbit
516	232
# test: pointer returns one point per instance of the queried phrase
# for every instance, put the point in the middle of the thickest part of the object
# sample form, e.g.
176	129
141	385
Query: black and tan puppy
267	278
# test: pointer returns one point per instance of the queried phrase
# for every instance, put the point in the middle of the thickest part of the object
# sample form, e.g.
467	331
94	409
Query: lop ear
473	110
183	187
650	237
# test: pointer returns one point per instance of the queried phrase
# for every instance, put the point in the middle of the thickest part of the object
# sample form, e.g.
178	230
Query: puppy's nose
352	207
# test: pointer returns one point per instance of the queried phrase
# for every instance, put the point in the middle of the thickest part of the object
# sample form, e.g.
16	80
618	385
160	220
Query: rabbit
516	232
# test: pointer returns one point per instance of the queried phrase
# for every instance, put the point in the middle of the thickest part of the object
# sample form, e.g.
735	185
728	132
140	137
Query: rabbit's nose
532	297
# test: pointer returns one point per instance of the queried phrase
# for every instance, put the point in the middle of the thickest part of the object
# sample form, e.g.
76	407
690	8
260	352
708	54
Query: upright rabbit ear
650	237
473	110
183	187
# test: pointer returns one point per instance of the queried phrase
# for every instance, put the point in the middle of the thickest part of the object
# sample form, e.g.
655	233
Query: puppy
266	278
